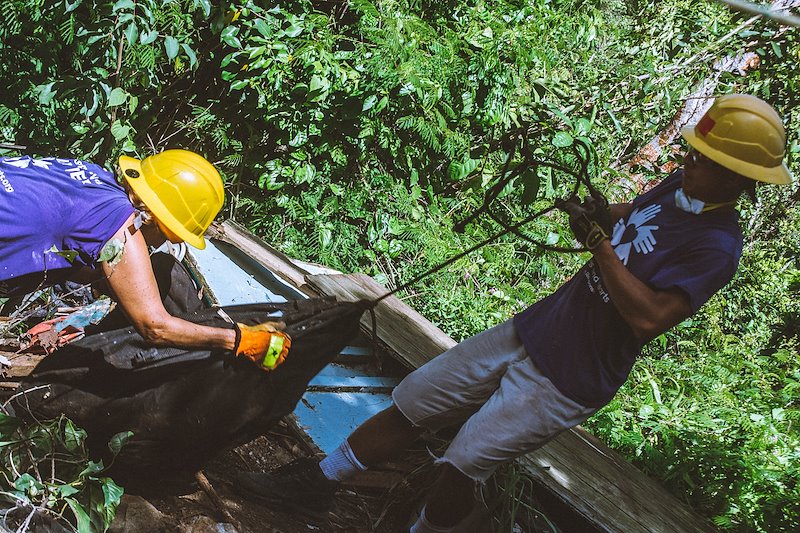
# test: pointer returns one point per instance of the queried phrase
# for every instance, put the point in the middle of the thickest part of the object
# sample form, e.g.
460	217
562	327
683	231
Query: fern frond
407	122
147	56
10	25
429	134
8	116
220	138
365	8
454	144
232	160
66	29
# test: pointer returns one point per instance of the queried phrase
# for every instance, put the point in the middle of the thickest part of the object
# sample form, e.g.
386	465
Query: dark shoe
298	486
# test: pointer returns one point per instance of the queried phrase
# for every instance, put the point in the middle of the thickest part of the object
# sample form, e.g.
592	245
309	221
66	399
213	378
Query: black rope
465	253
491	194
582	153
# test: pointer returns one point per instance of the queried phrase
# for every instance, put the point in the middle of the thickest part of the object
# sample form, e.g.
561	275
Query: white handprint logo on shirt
25	162
635	234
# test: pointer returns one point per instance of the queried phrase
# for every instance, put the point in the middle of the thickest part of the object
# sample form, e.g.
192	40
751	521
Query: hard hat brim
778	175
136	182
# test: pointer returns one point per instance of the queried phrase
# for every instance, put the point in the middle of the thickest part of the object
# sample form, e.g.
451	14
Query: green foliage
511	496
713	410
45	468
75	69
357	134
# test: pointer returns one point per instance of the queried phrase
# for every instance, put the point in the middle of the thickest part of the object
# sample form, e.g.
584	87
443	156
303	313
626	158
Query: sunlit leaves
117	97
148	37
190	54
119	130
46	93
171	47
123	4
56	471
83	53
460	170
562	139
131	33
73	436
369	102
356	139
229	37
205	5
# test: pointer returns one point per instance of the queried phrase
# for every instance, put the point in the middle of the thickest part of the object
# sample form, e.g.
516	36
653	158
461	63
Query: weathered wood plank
22	364
607	490
414	339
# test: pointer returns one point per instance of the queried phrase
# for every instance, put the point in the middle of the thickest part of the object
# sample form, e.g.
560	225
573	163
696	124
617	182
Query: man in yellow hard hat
744	135
516	386
66	219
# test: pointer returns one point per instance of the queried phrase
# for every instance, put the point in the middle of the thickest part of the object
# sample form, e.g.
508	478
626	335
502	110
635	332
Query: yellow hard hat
180	188
744	134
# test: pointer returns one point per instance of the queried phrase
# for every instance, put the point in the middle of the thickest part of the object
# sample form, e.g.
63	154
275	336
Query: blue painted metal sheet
236	279
356	350
328	417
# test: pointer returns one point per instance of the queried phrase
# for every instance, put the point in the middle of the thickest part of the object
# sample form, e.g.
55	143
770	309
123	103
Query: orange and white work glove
263	344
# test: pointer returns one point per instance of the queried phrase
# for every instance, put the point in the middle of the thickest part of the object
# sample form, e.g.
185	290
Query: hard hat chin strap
684	202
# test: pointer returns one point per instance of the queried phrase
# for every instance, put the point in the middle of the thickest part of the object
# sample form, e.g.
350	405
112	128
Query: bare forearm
648	312
172	331
133	285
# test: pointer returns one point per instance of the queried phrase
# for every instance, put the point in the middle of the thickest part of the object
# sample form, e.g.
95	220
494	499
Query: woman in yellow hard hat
62	219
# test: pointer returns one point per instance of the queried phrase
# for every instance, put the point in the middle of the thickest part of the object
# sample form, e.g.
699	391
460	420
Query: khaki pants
488	382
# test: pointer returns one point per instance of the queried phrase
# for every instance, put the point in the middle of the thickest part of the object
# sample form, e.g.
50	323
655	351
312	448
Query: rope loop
518	140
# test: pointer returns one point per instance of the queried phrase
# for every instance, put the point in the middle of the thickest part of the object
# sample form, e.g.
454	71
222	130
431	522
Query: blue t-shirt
578	338
51	204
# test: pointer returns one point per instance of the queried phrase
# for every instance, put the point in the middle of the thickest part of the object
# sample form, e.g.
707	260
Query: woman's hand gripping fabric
263	344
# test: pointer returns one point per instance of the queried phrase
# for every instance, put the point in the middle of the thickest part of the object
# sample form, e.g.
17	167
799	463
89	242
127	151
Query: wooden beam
606	490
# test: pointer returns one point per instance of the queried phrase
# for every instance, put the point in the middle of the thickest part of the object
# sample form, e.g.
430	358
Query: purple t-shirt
55	204
577	337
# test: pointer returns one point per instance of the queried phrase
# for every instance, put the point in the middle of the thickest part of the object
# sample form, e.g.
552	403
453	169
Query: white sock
341	463
423	526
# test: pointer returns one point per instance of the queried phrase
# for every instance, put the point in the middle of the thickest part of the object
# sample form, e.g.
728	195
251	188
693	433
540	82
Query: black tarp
183	406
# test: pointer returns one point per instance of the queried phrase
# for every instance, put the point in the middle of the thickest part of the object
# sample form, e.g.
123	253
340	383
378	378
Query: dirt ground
384	502
381	509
